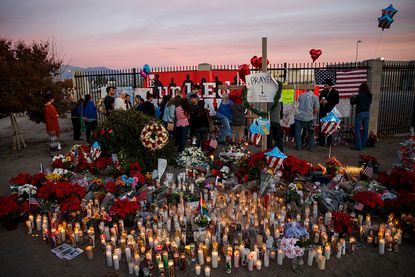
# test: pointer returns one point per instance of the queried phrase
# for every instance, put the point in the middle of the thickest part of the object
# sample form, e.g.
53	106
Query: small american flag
254	138
347	82
33	202
368	170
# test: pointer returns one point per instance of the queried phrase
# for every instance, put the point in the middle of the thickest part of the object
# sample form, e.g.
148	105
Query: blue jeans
182	133
308	127
225	131
361	119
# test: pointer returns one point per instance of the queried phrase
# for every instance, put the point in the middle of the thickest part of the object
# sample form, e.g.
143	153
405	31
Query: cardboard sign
287	96
262	88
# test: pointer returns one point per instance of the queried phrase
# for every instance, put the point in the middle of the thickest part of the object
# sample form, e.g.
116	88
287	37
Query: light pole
357	48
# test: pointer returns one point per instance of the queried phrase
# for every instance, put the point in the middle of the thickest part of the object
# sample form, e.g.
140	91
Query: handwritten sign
287	96
261	87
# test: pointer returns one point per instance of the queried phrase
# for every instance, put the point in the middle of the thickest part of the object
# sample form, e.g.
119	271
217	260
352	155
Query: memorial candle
258	265
236	259
197	269
251	261
321	263
136	270
327	251
311	254
280	256
200	257
109	258
38	223
215	259
207	271
131	268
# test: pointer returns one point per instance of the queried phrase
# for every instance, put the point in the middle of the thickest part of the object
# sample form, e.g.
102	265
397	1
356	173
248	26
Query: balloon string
377	46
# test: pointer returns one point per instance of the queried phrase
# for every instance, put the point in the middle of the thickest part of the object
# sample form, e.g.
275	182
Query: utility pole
357	48
264	106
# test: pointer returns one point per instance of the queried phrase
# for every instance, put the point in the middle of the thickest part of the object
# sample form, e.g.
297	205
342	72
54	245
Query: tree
28	72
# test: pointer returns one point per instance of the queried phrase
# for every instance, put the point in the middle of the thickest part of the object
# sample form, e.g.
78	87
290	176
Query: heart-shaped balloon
143	74
315	53
259	62
254	61
243	70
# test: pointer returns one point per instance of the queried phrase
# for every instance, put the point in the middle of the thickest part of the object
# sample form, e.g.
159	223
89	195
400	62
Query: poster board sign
287	96
262	87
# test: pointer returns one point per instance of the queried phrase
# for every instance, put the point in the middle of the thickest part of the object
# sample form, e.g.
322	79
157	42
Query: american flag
347	82
368	170
254	138
33	202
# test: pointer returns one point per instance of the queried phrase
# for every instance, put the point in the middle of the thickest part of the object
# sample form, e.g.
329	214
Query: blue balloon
385	21
390	10
147	69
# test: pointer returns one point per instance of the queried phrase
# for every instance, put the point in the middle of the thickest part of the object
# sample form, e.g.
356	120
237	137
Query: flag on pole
368	170
202	208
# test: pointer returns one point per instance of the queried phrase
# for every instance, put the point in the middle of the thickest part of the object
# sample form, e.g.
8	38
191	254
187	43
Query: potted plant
9	212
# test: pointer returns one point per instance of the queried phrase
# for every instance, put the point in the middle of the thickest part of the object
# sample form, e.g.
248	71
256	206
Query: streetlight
357	48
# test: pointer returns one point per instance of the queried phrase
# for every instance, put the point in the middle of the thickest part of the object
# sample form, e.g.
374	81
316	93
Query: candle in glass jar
236	259
280	256
116	261
200	257
198	269
250	262
327	251
89	252
258	265
311	254
215	259
343	242
266	258
128	254
109	258
29	226
322	263
339	250
319	252
272	254
38	223
352	245
207	271
136	270
131	268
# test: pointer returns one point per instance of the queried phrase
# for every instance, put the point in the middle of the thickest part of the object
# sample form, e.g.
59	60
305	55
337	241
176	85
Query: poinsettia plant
342	222
293	167
9	209
368	198
124	209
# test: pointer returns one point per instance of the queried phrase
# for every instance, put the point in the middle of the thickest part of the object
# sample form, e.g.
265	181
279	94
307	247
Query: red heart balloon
315	53
243	70
254	61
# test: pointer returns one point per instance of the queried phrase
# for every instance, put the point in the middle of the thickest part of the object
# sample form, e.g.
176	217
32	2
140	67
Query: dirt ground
23	255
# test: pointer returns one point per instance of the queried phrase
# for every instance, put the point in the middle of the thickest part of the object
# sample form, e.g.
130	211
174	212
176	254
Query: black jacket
332	98
148	109
362	102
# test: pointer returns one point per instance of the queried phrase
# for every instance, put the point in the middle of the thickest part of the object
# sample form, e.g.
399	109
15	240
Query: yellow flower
299	186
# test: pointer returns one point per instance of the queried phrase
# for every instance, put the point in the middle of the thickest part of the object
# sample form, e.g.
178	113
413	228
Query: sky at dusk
124	34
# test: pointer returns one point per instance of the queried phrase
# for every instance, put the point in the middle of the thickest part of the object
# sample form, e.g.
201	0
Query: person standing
157	87
89	114
75	117
276	136
193	115
329	98
119	103
183	111
224	114
109	100
308	106
128	104
138	103
199	122
148	106
52	125
362	100
196	90
238	115
169	115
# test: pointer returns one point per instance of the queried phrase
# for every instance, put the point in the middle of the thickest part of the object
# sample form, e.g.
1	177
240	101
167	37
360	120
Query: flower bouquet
293	251
295	230
232	154
124	209
293	166
154	136
342	222
202	221
9	211
332	165
192	156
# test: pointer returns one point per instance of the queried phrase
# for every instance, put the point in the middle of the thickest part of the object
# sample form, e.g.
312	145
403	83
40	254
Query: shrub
124	140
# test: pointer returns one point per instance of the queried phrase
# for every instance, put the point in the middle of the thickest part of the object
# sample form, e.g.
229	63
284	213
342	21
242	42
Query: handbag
170	126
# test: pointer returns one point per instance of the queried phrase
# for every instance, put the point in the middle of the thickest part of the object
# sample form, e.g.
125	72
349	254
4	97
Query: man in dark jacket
148	106
329	98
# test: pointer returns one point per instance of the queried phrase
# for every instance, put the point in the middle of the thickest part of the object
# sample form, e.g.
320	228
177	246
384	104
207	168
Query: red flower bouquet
111	187
21	179
103	162
398	178
71	206
9	209
124	209
342	222
293	166
368	198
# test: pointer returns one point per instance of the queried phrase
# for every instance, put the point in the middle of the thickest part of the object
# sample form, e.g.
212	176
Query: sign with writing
287	96
261	87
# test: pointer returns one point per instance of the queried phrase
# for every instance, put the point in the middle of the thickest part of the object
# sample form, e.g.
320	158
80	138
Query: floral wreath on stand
258	112
154	136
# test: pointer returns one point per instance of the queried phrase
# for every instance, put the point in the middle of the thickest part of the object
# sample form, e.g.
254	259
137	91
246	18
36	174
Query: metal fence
397	98
397	104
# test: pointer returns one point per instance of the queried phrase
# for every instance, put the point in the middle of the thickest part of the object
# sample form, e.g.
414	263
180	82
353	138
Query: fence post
374	80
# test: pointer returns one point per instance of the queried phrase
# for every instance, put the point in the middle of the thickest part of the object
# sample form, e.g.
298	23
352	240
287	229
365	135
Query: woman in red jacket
52	125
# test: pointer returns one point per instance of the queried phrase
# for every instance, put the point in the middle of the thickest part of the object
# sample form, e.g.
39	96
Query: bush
124	140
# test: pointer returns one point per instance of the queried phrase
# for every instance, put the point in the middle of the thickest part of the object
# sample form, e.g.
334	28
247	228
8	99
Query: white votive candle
116	261
322	263
382	246
280	257
207	271
198	269
258	265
